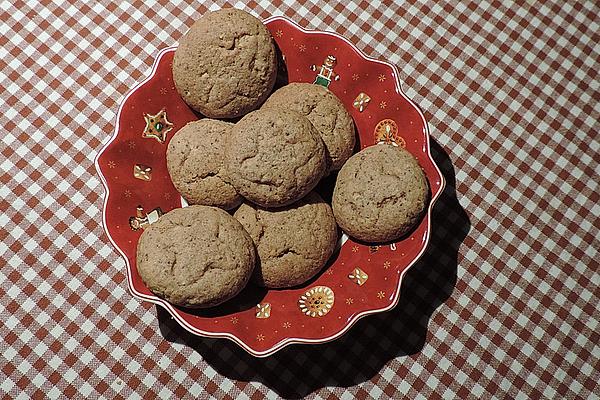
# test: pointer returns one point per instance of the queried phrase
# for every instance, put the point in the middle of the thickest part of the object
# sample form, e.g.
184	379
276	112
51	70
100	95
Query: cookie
274	157
196	256
195	163
325	111
293	243
380	194
225	66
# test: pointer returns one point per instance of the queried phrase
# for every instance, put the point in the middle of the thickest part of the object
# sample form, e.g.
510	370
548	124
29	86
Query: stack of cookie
266	165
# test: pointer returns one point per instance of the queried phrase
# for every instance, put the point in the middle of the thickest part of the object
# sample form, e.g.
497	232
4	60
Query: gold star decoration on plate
349	300
260	337
381	294
157	126
286	325
386	264
234	320
382	78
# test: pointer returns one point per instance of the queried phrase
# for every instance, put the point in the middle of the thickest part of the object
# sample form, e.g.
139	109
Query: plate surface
360	280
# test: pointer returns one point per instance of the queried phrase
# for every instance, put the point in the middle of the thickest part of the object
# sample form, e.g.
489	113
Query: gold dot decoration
142	172
317	301
358	276
361	101
263	310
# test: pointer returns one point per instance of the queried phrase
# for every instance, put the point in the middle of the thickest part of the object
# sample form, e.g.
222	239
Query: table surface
504	302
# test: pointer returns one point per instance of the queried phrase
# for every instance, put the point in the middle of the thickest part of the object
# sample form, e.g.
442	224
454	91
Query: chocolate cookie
325	111
293	243
225	66
196	256
380	194
195	163
274	157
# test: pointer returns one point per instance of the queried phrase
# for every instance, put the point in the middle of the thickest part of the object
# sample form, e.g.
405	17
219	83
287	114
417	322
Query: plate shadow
359	355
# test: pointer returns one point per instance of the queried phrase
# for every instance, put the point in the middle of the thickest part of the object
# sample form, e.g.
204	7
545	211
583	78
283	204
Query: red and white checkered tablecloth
504	303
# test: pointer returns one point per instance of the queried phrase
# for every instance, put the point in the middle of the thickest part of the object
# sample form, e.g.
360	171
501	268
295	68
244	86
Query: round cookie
195	163
380	194
225	65
325	111
196	256
293	243
274	157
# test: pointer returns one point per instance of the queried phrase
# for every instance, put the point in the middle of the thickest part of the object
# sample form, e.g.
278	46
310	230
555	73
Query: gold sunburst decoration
317	301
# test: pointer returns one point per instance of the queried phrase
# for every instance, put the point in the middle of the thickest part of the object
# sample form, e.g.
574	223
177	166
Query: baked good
196	256
325	111
195	163
380	194
274	157
225	65
293	243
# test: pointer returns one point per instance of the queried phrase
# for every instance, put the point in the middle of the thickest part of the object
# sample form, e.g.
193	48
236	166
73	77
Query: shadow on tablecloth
361	353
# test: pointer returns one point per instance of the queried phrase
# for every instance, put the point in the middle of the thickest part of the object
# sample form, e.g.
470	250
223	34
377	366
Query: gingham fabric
504	303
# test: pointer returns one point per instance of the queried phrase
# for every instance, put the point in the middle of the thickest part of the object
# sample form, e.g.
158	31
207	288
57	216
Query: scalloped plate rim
289	340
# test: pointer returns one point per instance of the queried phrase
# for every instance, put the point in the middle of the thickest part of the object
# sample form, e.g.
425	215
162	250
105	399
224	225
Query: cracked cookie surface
274	157
293	243
195	164
380	194
225	65
327	114
196	256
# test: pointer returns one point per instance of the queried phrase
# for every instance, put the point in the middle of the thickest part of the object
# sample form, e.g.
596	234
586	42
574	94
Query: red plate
361	280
